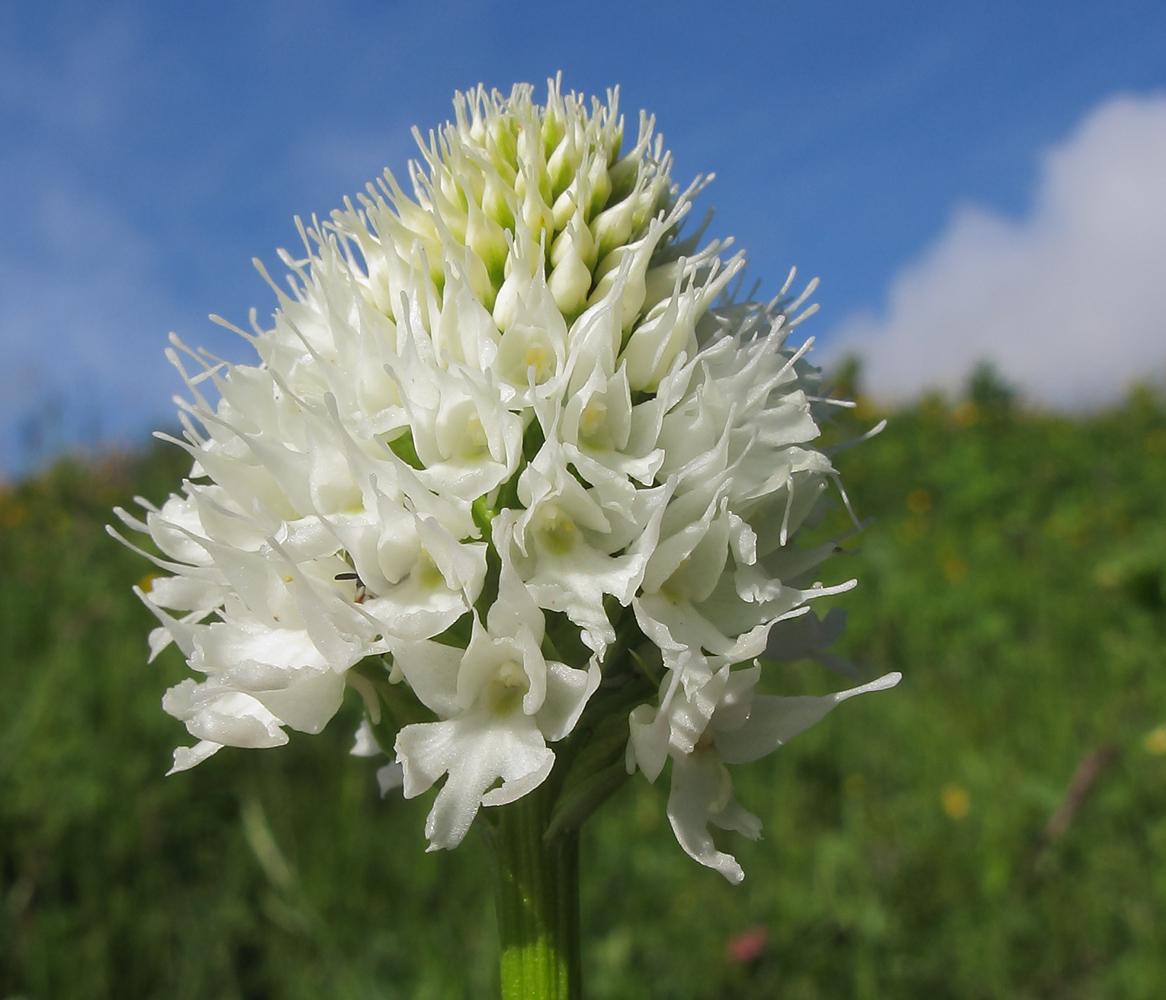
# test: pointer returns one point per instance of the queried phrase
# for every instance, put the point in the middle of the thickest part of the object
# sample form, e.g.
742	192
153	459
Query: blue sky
149	150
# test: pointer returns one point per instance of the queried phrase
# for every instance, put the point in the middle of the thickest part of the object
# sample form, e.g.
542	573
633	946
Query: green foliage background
1015	573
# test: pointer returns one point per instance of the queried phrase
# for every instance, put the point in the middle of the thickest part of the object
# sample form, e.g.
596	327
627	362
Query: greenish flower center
505	692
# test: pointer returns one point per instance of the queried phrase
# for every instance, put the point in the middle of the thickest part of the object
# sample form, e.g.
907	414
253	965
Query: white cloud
1069	302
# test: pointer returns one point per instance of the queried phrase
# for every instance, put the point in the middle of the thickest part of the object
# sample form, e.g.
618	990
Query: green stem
536	892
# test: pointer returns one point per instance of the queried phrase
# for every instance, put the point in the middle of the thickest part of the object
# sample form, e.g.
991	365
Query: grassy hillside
995	827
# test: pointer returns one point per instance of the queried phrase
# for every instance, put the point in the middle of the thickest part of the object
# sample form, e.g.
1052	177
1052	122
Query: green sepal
593	755
576	804
489	592
483	514
562	640
400	707
458	635
403	447
532	440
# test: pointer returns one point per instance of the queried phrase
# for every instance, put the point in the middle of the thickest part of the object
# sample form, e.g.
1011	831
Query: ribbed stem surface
536	892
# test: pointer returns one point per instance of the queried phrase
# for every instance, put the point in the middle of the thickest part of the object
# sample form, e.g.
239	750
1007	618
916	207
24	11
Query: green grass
1015	573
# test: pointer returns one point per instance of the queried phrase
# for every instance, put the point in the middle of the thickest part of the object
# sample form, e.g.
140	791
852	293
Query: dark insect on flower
355	577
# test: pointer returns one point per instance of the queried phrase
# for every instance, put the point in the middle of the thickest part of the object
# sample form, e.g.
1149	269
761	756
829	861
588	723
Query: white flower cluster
513	466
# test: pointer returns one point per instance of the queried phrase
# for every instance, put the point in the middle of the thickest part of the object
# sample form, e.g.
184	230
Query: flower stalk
536	893
519	465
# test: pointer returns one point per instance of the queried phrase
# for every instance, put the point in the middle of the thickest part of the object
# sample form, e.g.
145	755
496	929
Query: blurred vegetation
995	827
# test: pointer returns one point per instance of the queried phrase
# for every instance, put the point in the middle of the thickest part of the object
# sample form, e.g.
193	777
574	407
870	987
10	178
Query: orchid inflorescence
521	466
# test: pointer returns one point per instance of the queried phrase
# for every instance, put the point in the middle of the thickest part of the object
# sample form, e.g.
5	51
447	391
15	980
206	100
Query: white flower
498	702
510	442
723	722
